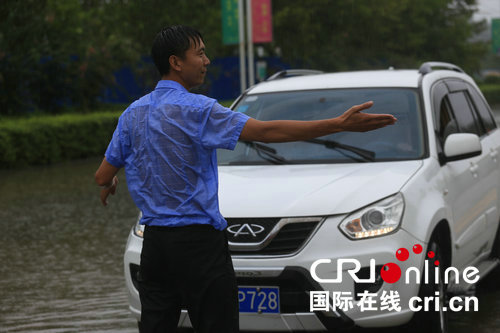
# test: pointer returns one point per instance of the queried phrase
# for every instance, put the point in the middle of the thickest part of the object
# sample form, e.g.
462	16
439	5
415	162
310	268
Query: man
167	142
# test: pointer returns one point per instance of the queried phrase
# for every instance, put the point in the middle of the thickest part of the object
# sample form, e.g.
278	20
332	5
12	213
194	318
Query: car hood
308	190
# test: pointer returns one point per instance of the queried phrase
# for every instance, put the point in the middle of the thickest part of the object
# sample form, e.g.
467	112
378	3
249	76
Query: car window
447	122
402	141
464	115
439	91
482	109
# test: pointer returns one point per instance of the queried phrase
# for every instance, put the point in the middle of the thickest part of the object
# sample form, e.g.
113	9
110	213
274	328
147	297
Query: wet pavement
61	252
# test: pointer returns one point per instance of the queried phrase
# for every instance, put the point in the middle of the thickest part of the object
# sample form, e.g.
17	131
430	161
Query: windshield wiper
367	155
267	153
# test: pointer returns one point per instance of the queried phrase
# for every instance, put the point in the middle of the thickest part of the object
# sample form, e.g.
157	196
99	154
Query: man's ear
175	62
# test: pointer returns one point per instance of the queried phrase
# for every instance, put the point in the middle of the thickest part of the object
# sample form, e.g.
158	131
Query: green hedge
49	139
491	92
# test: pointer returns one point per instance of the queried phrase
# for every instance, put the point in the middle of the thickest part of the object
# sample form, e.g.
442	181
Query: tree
56	53
357	34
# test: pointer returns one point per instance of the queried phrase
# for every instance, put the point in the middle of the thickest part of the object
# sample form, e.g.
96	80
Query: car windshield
402	141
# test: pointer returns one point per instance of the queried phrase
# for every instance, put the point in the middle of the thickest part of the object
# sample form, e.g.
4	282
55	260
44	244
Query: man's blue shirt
167	142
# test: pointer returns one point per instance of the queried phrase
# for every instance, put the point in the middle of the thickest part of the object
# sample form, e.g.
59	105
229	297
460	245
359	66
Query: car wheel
495	251
432	321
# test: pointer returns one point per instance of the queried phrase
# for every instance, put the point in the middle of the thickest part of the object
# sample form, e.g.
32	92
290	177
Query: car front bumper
292	275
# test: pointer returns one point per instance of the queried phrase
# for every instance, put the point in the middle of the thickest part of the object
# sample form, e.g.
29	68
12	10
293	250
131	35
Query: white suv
318	229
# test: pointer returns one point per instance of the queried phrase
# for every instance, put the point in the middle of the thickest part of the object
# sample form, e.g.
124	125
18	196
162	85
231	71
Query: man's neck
172	76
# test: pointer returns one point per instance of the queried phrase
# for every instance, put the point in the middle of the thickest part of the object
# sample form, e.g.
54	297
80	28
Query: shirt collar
169	84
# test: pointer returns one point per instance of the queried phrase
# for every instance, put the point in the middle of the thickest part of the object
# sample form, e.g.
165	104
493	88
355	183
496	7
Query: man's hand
354	120
107	190
105	177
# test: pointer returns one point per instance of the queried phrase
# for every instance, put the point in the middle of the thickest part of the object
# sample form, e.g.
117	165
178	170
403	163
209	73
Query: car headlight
378	219
139	228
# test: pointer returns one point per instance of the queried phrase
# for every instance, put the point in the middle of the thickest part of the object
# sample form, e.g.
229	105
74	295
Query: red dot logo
430	254
436	262
417	248
390	272
402	254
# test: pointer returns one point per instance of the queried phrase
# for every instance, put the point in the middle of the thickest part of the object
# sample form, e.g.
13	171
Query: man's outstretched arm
352	120
105	177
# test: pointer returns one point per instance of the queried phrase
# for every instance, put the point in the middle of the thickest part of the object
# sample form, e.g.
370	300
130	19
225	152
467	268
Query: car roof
357	79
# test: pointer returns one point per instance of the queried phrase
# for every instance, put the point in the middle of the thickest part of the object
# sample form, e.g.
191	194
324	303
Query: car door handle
494	154
473	168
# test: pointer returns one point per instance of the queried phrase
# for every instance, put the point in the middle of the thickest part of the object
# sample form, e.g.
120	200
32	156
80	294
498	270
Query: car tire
495	251
432	321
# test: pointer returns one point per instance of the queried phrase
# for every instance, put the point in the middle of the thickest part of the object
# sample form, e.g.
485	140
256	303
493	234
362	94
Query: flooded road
61	251
61	256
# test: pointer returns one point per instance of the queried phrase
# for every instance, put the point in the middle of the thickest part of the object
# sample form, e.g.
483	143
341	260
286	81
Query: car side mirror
460	146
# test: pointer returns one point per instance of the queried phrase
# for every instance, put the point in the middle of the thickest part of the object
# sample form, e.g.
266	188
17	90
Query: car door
465	192
490	142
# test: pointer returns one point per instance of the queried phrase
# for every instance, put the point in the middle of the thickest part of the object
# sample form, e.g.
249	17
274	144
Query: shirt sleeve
114	153
221	127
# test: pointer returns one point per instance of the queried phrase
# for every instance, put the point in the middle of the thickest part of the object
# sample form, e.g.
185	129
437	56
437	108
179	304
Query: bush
491	92
492	79
49	139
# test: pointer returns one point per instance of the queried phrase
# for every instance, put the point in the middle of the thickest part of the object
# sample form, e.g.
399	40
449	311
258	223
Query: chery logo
245	229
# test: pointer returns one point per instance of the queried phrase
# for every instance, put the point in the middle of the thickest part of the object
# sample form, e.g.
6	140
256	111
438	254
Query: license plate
259	299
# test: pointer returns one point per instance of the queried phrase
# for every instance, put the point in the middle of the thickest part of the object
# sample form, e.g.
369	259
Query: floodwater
61	256
61	251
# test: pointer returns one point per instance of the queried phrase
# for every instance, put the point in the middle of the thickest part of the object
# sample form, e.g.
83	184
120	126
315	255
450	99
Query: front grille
290	238
269	236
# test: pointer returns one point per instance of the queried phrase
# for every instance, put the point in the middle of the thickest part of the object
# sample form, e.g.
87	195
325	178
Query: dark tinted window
483	110
447	122
463	113
439	91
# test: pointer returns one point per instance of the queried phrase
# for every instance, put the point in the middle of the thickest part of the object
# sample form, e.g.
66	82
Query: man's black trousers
187	267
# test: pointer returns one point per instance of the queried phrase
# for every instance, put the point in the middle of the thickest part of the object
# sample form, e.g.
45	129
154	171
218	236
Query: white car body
458	199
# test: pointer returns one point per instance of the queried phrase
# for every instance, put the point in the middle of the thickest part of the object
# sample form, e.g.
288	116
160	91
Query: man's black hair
173	40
